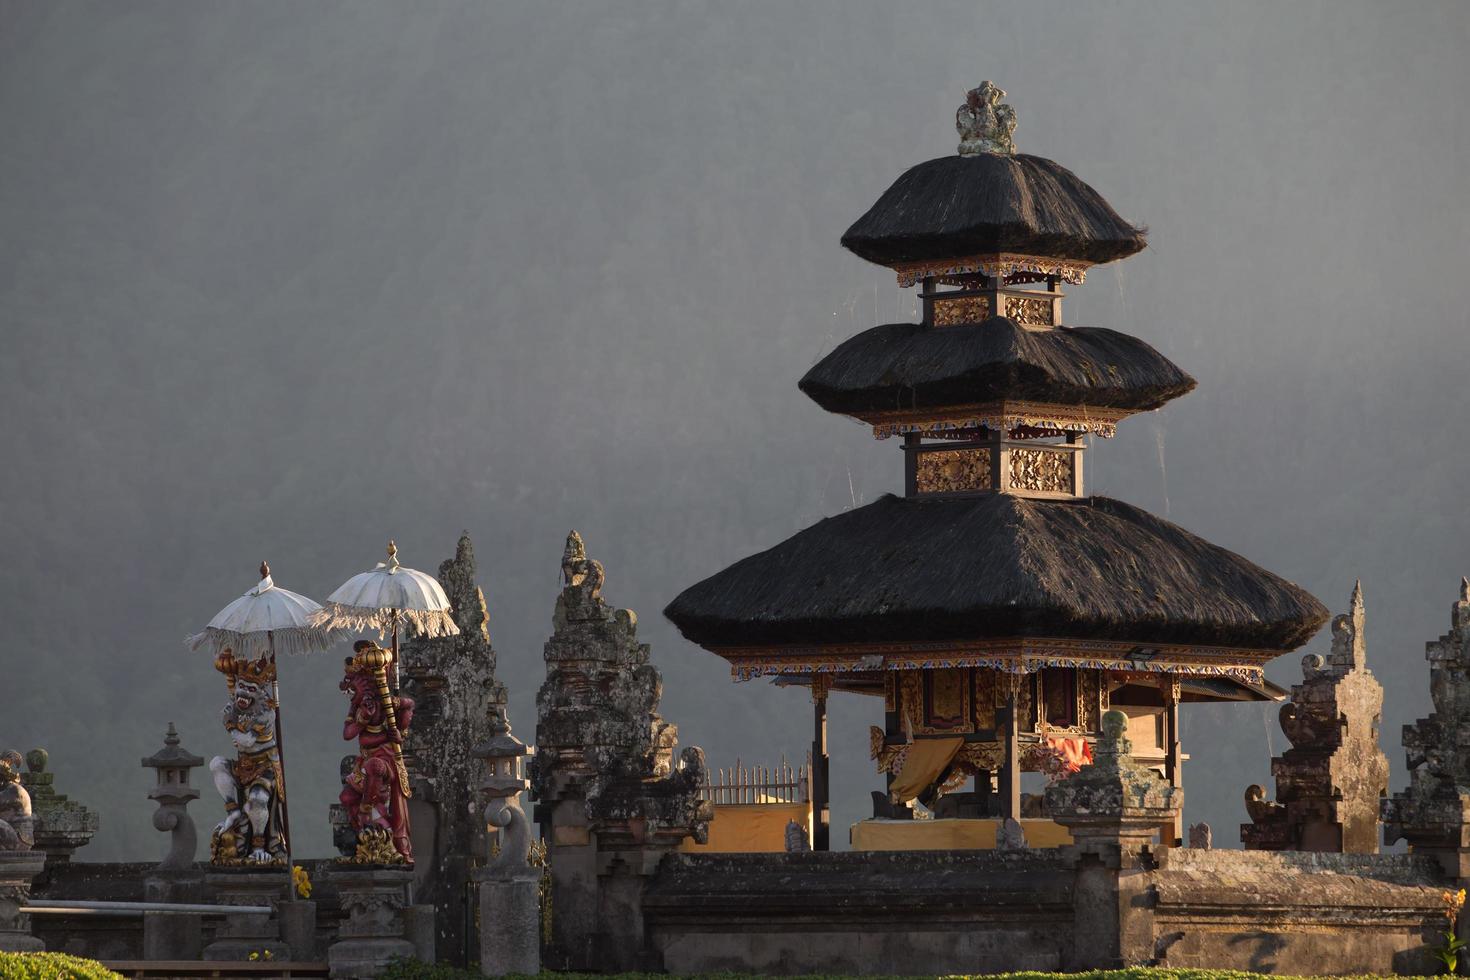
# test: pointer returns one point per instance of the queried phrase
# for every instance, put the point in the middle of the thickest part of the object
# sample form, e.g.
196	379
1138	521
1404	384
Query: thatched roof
996	565
961	206
907	365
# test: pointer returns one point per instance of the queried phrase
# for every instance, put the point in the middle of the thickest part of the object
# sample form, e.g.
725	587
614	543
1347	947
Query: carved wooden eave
1021	655
1007	266
1031	419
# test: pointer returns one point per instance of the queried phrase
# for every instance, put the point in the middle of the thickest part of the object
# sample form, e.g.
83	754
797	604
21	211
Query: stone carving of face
250	696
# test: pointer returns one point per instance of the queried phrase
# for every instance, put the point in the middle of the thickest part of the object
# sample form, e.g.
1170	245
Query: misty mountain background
283	280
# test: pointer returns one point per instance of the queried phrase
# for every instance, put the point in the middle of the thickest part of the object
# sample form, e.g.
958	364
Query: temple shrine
995	607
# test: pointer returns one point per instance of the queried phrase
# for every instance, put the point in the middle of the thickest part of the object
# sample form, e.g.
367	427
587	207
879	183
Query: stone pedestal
167	936
17	870
1113	809
374	900
510	922
241	934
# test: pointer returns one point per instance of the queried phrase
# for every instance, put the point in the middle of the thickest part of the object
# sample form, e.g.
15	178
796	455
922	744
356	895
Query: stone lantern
510	898
505	778
173	793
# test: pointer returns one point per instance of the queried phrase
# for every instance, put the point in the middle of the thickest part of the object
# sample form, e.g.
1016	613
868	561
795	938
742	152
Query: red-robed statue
376	792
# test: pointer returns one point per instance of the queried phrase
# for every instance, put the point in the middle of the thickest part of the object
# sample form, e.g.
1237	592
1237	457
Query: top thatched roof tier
989	203
909	367
913	570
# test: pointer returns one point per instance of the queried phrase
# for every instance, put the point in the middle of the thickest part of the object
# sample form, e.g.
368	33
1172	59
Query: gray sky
280	280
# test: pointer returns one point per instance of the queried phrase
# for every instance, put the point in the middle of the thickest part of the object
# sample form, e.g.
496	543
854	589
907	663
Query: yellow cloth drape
948	835
922	764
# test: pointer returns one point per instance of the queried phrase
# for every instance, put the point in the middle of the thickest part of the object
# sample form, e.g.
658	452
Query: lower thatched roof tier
914	570
988	203
906	366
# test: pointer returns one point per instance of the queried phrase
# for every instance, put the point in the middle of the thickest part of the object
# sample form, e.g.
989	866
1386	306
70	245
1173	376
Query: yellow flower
302	881
254	956
269	955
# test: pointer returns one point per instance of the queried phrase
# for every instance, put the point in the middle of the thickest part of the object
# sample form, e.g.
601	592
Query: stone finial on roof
984	122
1348	644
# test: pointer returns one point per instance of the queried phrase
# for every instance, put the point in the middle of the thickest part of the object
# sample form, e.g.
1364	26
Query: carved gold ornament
1041	471
953	470
375	846
960	310
1031	312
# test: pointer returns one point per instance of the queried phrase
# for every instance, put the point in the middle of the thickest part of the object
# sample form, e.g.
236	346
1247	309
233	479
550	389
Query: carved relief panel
953	471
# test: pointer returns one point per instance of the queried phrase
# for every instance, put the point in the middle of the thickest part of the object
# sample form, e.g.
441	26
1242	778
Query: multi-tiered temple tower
995	607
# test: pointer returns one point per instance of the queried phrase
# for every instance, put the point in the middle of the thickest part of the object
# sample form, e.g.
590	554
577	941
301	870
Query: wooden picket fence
741	784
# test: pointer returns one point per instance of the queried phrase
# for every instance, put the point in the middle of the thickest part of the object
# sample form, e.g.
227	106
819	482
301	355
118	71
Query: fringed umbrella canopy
387	596
265	620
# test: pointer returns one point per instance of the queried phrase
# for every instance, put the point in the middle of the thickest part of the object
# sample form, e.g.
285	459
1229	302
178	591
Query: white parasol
264	620
387	595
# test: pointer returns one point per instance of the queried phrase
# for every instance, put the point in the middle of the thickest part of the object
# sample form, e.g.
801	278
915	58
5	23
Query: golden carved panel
963	309
936	701
953	470
985	695
1089	699
1041	470
947	702
911	699
1032	312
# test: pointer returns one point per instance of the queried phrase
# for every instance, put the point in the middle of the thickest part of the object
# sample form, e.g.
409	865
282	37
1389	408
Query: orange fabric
1076	752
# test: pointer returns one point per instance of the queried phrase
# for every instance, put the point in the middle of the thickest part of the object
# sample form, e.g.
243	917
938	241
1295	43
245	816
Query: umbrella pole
395	651
281	753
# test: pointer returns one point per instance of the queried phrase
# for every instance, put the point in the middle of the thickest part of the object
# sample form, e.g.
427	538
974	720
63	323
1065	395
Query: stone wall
1297	912
121	938
862	913
1043	909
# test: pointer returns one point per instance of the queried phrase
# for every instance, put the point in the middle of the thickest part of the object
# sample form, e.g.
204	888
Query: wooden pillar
1010	771
911	442
1169	687
821	794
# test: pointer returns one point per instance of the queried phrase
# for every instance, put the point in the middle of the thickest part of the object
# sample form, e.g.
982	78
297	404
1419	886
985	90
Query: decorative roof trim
1013	655
1002	416
997	264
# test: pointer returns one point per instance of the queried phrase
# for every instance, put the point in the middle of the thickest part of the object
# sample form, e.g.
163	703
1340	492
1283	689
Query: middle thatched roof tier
911	371
966	568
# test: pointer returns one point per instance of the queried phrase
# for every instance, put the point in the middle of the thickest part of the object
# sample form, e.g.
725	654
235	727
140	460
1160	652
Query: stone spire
985	123
456	694
1433	814
1330	782
609	798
